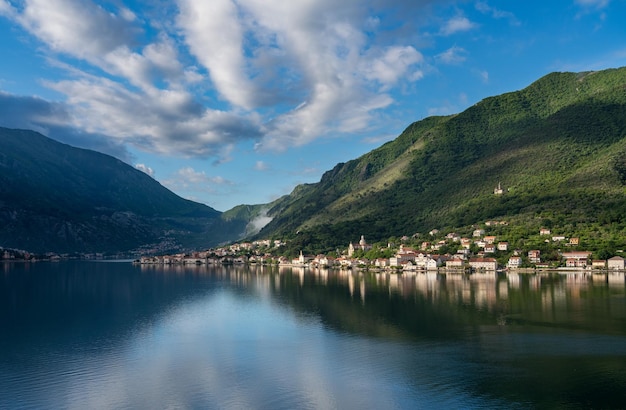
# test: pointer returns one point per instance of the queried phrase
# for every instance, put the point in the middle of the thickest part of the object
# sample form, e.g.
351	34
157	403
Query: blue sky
231	102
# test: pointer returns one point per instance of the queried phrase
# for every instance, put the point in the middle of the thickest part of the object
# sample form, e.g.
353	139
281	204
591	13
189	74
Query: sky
230	102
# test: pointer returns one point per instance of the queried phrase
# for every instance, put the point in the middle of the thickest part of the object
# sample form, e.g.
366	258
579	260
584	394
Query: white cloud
146	169
193	184
598	4
393	64
261	166
214	34
75	27
485	8
484	75
258	223
457	24
453	55
188	175
285	73
6	9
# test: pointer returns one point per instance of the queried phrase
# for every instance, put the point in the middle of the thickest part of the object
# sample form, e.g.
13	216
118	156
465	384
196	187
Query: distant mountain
557	147
54	197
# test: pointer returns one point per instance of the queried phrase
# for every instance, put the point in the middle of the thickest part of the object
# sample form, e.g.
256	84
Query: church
363	245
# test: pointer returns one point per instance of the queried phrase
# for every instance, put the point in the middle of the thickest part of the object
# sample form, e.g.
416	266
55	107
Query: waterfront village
472	255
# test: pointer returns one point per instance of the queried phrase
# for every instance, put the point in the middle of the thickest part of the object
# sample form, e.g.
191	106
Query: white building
615	263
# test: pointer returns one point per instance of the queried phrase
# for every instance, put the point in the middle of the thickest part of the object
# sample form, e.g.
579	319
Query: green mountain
557	147
54	197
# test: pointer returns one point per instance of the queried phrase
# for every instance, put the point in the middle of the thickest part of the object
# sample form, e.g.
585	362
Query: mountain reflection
550	340
431	305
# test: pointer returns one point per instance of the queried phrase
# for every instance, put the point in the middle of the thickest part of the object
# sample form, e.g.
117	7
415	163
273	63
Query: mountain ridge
59	198
557	146
560	139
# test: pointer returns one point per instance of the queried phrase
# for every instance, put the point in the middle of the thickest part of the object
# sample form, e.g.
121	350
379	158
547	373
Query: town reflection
432	304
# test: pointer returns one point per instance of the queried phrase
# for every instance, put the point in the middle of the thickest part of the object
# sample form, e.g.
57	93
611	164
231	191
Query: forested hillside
54	197
558	148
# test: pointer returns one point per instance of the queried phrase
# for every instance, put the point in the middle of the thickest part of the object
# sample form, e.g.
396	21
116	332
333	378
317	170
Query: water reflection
117	335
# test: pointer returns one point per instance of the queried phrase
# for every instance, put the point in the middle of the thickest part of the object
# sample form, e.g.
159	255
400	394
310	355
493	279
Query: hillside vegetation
54	197
558	147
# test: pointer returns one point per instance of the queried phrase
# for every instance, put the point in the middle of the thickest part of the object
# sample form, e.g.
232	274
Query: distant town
478	252
472	254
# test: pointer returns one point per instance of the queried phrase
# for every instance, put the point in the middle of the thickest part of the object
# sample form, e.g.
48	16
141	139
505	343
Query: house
576	259
381	262
514	262
574	241
455	263
466	243
615	263
503	246
427	262
402	257
558	238
478	233
544	231
534	256
575	263
490	248
489	239
453	236
483	264
323	261
598	264
498	190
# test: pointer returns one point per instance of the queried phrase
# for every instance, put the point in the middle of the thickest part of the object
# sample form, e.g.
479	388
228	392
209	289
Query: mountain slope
54	197
557	146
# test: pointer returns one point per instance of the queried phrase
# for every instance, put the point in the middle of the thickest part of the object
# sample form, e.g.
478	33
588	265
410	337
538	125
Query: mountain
557	147
54	197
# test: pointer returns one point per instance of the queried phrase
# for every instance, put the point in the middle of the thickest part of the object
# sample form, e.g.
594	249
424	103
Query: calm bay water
114	335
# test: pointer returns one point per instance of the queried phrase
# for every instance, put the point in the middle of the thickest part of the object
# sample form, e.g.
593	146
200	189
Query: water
113	335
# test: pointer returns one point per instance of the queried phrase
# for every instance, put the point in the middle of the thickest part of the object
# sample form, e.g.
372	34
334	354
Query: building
576	259
514	262
483	264
534	256
362	245
455	263
503	246
615	263
598	264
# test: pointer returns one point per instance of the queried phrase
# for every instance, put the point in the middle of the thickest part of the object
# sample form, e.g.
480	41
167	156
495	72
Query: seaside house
381	262
598	264
482	264
514	262
576	259
455	263
615	263
534	256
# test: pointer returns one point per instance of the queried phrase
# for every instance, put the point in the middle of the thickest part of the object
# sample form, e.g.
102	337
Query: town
478	253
